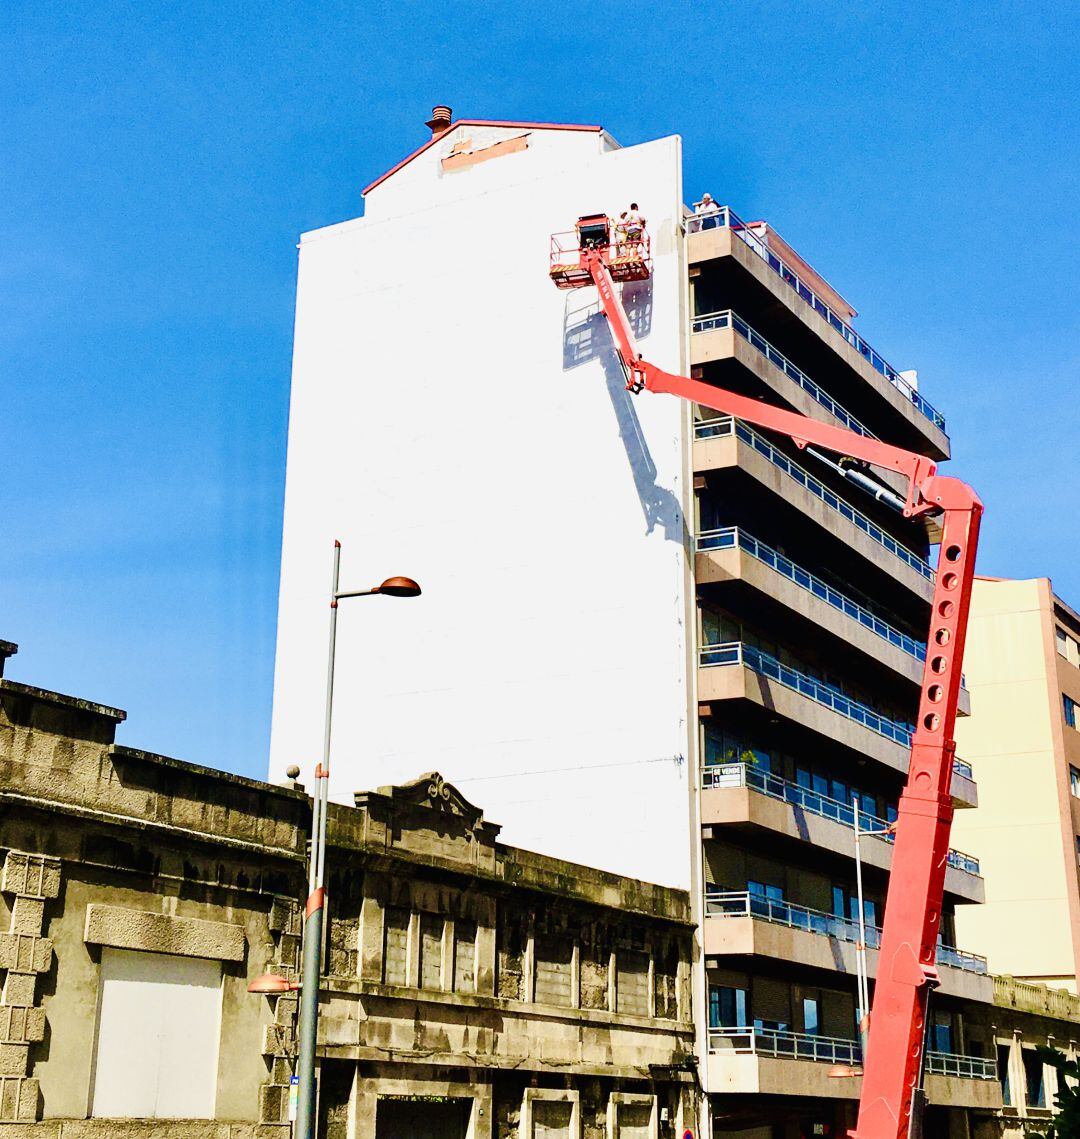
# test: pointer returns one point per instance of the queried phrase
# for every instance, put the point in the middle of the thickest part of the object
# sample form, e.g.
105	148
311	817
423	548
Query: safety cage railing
626	260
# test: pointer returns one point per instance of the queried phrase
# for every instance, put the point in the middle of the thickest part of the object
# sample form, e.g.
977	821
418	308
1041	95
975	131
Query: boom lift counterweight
906	971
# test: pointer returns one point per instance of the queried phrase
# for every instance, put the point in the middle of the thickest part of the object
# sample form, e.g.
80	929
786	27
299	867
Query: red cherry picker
906	973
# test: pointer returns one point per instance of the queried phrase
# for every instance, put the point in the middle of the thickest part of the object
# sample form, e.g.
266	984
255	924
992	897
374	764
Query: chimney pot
439	123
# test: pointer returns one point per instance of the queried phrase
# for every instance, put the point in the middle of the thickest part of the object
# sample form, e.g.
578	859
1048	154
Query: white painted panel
456	418
158	1029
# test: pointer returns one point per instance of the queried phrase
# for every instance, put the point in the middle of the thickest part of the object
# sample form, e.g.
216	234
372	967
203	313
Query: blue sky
159	162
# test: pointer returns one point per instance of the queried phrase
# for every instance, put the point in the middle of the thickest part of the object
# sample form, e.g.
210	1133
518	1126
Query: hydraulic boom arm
906	970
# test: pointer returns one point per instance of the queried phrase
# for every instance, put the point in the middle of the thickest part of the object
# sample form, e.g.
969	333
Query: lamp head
399	587
271	984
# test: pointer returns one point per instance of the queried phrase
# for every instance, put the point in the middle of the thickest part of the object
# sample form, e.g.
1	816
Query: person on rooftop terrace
706	208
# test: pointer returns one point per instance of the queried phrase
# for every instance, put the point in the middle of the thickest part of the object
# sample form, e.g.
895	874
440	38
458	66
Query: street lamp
861	970
313	916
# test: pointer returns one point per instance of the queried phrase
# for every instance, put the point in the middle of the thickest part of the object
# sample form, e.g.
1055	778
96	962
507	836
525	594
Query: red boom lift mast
906	970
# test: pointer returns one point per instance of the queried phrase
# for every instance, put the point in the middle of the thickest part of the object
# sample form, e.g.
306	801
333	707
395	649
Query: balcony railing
741	903
725	425
963	1067
728	319
834	1050
737	652
786	1045
726	217
746	775
732	536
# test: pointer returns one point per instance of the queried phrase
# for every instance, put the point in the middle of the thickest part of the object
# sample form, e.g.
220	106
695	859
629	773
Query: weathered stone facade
471	988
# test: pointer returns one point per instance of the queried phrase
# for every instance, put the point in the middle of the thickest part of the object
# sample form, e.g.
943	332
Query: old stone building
471	990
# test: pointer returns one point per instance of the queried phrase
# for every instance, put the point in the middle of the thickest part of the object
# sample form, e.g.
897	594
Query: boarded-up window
157	1036
464	956
431	936
551	1120
554	964
632	982
510	939
632	1121
665	981
395	946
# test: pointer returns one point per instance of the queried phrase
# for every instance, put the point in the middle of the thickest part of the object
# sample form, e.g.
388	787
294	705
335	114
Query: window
845	904
811	1016
552	1120
395	946
431	939
464	956
1003	1053
941	1033
157	1036
1074	781
632	1120
554	968
1033	1078
632	982
1070	710
727	1007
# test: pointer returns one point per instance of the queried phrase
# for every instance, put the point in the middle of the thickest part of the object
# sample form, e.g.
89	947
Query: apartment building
658	640
472	990
1023	738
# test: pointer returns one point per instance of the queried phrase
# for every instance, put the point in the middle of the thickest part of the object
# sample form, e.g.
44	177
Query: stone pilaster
29	881
279	1038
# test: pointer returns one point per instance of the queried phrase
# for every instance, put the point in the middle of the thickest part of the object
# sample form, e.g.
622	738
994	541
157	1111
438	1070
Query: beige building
472	990
1023	739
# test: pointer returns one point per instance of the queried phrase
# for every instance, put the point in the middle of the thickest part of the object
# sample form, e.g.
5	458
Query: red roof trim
477	123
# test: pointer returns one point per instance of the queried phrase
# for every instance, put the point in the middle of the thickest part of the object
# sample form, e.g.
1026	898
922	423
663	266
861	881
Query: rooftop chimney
439	123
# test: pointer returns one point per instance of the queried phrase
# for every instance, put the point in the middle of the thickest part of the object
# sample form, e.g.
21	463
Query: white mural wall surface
456	418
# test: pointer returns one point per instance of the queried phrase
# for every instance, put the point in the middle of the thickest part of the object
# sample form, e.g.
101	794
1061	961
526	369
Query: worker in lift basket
632	225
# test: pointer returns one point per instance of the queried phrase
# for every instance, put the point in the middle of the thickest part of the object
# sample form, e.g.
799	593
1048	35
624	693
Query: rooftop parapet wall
57	752
1023	996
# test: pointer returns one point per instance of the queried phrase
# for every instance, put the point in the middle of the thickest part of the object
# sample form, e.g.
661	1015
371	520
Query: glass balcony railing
725	425
737	652
746	775
787	1045
962	1067
732	536
834	1050
728	319
740	903
726	217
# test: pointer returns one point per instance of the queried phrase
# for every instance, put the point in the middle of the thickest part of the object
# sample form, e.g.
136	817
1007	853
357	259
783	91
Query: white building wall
456	418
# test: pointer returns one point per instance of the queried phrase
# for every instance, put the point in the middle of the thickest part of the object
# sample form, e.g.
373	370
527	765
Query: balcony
744	904
827	607
820	503
741	924
726	318
763	1060
960	1067
732	537
737	652
720	808
835	328
727	673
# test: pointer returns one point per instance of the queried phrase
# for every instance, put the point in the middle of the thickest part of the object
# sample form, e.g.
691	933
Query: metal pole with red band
313	914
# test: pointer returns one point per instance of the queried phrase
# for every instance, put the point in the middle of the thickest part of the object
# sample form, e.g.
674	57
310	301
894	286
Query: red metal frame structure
907	972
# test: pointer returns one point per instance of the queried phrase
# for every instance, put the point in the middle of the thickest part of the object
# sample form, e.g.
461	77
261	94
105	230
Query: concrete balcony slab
747	936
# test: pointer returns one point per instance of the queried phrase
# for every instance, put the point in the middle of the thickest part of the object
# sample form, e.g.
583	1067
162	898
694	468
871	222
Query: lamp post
313	915
862	973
